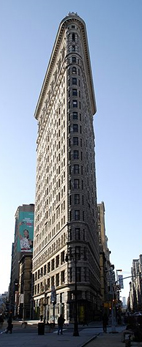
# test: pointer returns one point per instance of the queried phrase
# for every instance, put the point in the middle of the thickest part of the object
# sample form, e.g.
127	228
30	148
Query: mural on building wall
25	231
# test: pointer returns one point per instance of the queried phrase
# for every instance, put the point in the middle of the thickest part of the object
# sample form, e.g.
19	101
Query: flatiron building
66	245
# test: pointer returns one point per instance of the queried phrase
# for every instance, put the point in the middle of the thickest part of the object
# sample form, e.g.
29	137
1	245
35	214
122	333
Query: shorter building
25	287
135	295
23	244
106	269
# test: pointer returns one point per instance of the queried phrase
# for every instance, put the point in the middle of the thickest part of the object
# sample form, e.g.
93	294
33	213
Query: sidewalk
110	340
22	339
89	336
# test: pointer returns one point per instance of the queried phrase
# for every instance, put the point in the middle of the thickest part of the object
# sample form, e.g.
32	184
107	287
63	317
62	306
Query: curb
91	339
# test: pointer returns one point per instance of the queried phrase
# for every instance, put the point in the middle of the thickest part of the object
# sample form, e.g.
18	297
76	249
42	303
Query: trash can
40	328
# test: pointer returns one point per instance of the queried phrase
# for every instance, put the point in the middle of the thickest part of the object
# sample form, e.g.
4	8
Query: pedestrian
10	325
105	322
60	324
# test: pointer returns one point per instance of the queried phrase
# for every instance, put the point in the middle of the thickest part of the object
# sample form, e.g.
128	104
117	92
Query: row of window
76	169
75	141
59	279
74	81
53	281
74	70
77	234
81	274
76	184
60	242
74	234
75	115
75	104
75	92
50	266
77	199
75	155
76	215
75	128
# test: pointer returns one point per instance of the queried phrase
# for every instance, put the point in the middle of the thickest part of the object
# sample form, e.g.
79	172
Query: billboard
25	228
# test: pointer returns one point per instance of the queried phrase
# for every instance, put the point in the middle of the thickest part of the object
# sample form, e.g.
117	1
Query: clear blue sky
27	33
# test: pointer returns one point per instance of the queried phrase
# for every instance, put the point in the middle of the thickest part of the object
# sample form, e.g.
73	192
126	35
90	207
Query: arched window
73	37
74	71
